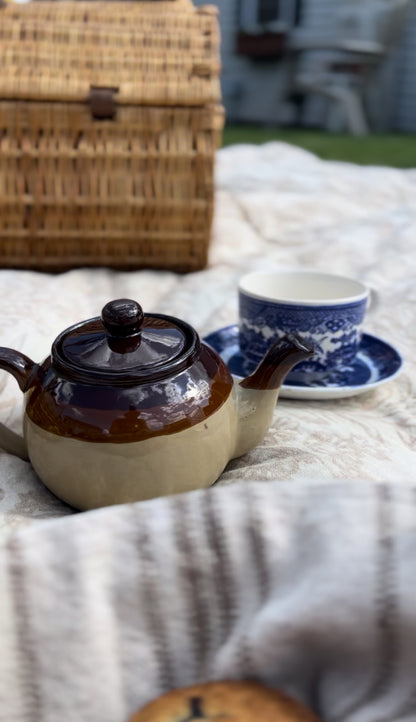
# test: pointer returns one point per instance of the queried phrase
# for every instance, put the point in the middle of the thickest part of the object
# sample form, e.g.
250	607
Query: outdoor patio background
253	90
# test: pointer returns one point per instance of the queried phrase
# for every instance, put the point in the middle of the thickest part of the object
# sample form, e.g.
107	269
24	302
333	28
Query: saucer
376	363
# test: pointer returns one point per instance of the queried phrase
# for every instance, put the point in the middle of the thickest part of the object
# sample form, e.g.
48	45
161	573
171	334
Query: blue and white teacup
325	309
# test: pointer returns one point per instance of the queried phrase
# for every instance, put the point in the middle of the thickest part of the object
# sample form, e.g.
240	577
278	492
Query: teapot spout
278	361
257	394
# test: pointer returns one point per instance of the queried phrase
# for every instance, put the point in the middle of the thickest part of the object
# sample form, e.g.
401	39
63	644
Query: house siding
404	89
256	91
252	90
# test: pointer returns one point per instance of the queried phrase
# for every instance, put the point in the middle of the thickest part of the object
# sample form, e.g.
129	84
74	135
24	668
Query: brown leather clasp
102	102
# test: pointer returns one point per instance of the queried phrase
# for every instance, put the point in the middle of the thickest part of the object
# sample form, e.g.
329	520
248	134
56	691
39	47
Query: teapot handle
13	443
23	369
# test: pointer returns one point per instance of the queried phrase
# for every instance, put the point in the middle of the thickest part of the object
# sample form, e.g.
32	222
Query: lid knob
122	318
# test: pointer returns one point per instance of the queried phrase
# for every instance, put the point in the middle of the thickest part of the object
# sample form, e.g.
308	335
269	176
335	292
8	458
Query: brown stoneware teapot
130	406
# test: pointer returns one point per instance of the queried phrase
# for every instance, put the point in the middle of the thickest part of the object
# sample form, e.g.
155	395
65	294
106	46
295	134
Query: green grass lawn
397	150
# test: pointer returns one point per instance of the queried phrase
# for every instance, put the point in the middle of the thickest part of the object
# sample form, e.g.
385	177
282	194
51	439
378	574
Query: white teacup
326	309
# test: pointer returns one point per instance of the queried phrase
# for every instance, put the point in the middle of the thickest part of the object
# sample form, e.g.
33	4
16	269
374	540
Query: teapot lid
125	346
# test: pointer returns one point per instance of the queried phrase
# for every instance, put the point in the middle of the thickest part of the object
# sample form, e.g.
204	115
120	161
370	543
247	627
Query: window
268	13
264	25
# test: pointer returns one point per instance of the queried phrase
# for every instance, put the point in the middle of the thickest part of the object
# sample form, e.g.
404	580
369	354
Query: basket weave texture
128	184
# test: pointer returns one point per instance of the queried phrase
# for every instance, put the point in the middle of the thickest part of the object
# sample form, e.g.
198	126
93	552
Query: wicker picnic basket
110	115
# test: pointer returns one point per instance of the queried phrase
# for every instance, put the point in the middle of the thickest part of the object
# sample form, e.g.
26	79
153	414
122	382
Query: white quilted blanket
275	205
304	578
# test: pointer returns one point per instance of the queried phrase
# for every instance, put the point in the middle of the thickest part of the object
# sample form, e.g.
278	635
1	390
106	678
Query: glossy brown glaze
125	347
20	366
119	414
122	317
279	360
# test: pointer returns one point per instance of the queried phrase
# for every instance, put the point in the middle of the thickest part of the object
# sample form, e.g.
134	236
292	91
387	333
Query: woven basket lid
153	52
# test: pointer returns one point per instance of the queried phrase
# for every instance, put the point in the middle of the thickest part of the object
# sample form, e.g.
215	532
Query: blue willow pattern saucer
376	363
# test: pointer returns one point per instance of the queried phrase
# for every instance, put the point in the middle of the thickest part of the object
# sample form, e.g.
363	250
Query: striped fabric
307	587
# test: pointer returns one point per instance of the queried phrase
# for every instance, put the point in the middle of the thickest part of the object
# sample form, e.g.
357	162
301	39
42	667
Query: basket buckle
102	102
